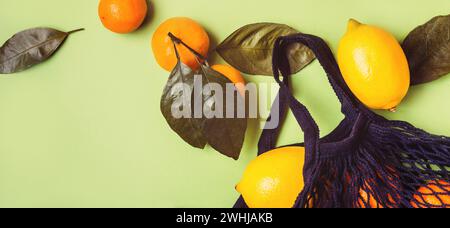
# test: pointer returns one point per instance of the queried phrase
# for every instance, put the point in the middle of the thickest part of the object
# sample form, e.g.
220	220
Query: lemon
374	66
274	179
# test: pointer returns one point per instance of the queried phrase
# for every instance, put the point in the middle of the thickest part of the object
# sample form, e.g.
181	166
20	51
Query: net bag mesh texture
367	161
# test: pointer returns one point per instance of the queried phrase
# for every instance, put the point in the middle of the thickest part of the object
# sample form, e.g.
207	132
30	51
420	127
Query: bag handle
351	106
268	138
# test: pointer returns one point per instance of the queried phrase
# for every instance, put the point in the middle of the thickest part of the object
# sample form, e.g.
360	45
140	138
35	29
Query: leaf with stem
223	133
30	47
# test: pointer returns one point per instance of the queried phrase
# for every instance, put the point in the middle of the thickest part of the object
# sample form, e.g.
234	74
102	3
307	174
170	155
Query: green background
85	130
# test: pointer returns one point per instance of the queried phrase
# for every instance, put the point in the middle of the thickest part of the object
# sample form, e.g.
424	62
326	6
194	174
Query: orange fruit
188	31
122	16
368	198
233	75
434	195
372	202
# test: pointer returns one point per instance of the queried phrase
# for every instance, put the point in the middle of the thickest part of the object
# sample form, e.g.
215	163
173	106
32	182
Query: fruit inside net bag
367	161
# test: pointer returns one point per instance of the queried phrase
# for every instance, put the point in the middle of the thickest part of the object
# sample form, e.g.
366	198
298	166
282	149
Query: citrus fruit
435	195
368	199
374	66
188	31
122	16
233	75
391	180
273	179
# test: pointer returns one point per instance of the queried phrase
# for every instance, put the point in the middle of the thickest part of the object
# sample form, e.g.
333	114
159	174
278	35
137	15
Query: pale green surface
84	129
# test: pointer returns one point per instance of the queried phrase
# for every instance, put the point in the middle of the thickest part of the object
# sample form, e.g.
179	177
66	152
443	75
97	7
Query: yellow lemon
374	66
274	179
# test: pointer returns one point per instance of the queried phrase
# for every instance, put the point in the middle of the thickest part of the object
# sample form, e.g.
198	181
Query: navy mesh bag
367	161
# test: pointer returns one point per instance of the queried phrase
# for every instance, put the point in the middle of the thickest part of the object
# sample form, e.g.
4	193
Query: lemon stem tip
393	110
353	24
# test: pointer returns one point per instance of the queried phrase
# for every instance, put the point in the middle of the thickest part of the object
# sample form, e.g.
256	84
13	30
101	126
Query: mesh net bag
367	161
